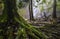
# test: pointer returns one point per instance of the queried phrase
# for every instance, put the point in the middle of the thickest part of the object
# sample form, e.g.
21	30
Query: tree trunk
31	11
10	9
54	9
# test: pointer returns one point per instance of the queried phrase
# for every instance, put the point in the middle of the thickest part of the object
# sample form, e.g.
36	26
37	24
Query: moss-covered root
21	34
34	32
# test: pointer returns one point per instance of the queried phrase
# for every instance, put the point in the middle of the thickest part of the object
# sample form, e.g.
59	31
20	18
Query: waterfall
37	11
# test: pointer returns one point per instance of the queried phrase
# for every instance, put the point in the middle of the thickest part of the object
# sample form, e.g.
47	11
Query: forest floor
52	31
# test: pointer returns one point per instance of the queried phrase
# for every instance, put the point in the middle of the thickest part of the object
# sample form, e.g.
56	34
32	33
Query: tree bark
31	11
54	9
11	10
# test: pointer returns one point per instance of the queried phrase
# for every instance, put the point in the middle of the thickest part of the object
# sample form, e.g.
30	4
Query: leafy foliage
20	4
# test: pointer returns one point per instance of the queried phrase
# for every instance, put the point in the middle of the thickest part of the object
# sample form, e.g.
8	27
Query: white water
37	11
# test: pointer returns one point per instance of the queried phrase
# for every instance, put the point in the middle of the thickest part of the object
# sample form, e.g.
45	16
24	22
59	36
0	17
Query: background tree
54	9
31	10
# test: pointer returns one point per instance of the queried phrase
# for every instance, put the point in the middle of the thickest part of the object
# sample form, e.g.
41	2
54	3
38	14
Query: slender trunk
31	10
54	9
